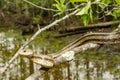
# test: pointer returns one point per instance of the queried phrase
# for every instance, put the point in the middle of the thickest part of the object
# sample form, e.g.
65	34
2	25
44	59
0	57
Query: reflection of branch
37	74
34	36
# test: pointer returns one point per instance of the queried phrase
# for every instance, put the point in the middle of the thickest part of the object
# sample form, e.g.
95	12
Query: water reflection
89	69
89	65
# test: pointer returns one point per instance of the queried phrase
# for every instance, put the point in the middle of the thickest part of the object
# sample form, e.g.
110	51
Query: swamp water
93	64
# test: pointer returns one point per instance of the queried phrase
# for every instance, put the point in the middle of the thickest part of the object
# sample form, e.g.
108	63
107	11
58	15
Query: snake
43	60
93	37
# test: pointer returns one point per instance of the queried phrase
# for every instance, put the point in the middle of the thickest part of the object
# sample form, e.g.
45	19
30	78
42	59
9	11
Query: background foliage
90	10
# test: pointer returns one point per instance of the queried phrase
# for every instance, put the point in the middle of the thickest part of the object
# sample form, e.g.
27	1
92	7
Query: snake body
99	38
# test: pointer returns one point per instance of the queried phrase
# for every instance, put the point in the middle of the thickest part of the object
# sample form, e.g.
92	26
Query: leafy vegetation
92	9
89	10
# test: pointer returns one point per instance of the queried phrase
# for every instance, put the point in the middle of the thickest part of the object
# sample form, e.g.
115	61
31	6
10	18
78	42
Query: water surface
94	64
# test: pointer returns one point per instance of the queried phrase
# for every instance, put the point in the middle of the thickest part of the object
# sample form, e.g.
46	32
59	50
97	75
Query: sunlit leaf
91	16
73	1
118	2
60	5
85	19
85	9
104	3
116	13
102	6
62	1
57	1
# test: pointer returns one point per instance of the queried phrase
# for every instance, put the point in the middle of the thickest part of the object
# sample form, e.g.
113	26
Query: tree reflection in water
89	65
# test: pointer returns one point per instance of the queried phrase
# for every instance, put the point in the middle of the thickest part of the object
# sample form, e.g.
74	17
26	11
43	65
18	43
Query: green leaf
102	6
85	19
57	1
62	1
118	2
116	13
85	9
91	16
80	0
60	6
36	19
104	3
73	1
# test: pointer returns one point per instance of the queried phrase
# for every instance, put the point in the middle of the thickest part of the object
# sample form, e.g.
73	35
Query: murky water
95	64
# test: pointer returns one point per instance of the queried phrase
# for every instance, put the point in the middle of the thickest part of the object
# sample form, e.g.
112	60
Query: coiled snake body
99	38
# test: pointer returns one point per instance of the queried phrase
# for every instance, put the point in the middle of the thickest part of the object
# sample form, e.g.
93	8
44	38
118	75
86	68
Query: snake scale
99	38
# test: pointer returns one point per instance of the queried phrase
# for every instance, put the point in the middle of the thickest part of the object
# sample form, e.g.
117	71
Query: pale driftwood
58	60
33	37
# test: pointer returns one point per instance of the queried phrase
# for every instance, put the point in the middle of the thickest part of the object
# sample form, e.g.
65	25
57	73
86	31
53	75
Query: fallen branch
34	36
90	26
58	60
68	56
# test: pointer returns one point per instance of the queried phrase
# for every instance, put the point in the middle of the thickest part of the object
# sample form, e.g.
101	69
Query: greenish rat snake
98	38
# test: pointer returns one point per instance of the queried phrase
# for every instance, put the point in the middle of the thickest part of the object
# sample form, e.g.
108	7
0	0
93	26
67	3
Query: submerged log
83	29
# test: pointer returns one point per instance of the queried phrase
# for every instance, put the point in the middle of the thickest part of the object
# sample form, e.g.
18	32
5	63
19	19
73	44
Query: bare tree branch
34	36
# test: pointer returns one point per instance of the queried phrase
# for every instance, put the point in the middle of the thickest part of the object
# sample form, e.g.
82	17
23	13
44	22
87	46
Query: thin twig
48	9
40	6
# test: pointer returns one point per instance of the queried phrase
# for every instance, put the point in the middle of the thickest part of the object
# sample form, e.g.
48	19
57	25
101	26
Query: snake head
26	52
43	60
